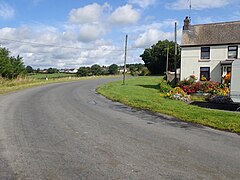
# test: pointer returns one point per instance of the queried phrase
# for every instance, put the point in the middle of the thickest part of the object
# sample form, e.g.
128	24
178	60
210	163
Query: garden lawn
144	93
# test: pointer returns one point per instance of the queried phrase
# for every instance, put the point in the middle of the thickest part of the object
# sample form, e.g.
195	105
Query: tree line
154	58
96	70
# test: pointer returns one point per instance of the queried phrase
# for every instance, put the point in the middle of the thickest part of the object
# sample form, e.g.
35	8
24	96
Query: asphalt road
67	131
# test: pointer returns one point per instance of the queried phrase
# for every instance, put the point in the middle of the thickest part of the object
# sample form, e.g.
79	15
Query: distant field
49	76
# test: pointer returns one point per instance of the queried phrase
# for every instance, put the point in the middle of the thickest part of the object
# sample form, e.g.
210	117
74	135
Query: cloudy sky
74	33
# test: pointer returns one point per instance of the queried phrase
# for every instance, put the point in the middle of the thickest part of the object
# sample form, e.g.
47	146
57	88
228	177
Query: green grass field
144	93
55	75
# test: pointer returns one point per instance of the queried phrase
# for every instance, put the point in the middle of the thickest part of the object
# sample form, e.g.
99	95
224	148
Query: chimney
186	23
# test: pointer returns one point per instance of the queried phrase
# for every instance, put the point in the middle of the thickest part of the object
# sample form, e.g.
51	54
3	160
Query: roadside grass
49	76
144	93
7	86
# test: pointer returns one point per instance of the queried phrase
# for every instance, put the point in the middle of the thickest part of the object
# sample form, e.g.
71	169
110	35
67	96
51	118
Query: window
204	73
229	69
205	52
232	52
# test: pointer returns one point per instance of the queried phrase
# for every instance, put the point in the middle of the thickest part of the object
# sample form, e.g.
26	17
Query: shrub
192	88
215	88
178	94
165	87
188	81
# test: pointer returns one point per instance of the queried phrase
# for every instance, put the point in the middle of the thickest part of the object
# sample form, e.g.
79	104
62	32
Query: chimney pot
186	23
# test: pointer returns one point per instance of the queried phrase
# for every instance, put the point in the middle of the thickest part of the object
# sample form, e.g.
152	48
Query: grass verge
7	86
144	93
49	76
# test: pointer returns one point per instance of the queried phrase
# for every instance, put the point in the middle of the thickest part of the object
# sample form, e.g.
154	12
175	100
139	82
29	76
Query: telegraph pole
167	60
175	56
125	60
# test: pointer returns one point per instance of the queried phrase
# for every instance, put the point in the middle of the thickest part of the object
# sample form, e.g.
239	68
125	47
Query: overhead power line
65	47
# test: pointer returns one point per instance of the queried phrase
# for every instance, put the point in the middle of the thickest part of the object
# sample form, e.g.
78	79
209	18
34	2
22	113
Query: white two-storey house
208	50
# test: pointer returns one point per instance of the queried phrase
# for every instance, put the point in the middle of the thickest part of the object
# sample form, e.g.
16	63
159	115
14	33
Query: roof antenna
190	9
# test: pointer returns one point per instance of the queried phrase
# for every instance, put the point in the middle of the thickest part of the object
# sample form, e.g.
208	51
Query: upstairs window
232	52
205	52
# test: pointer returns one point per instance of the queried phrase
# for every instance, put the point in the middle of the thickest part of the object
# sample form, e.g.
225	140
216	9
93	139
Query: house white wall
191	61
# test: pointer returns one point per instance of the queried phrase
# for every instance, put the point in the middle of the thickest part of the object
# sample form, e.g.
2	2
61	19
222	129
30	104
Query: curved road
67	131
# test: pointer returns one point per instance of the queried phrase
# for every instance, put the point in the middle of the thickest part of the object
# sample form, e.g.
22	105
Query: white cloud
152	36
151	33
142	3
87	14
46	46
198	4
90	32
124	15
6	11
82	40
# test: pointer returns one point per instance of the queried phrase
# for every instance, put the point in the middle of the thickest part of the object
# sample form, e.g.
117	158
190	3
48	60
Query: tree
83	71
18	67
113	69
10	66
52	70
38	70
155	57
29	69
96	69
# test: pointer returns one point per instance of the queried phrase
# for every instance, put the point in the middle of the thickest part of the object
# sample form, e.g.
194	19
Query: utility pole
175	56
125	60
167	60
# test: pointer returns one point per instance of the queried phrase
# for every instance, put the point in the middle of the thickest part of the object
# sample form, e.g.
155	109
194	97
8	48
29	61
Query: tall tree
156	56
96	69
113	69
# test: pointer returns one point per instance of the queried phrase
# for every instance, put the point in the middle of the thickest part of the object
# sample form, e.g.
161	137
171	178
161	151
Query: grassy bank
143	92
7	86
50	76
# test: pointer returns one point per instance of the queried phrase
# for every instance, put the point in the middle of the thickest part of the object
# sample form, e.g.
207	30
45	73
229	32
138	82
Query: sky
75	33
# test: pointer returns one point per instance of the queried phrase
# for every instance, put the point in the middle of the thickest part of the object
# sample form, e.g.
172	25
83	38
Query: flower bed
178	94
214	88
212	91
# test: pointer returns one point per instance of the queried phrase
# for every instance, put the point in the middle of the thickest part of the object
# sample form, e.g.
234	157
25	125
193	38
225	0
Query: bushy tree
113	69
96	70
29	69
155	57
83	71
138	69
10	66
52	70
